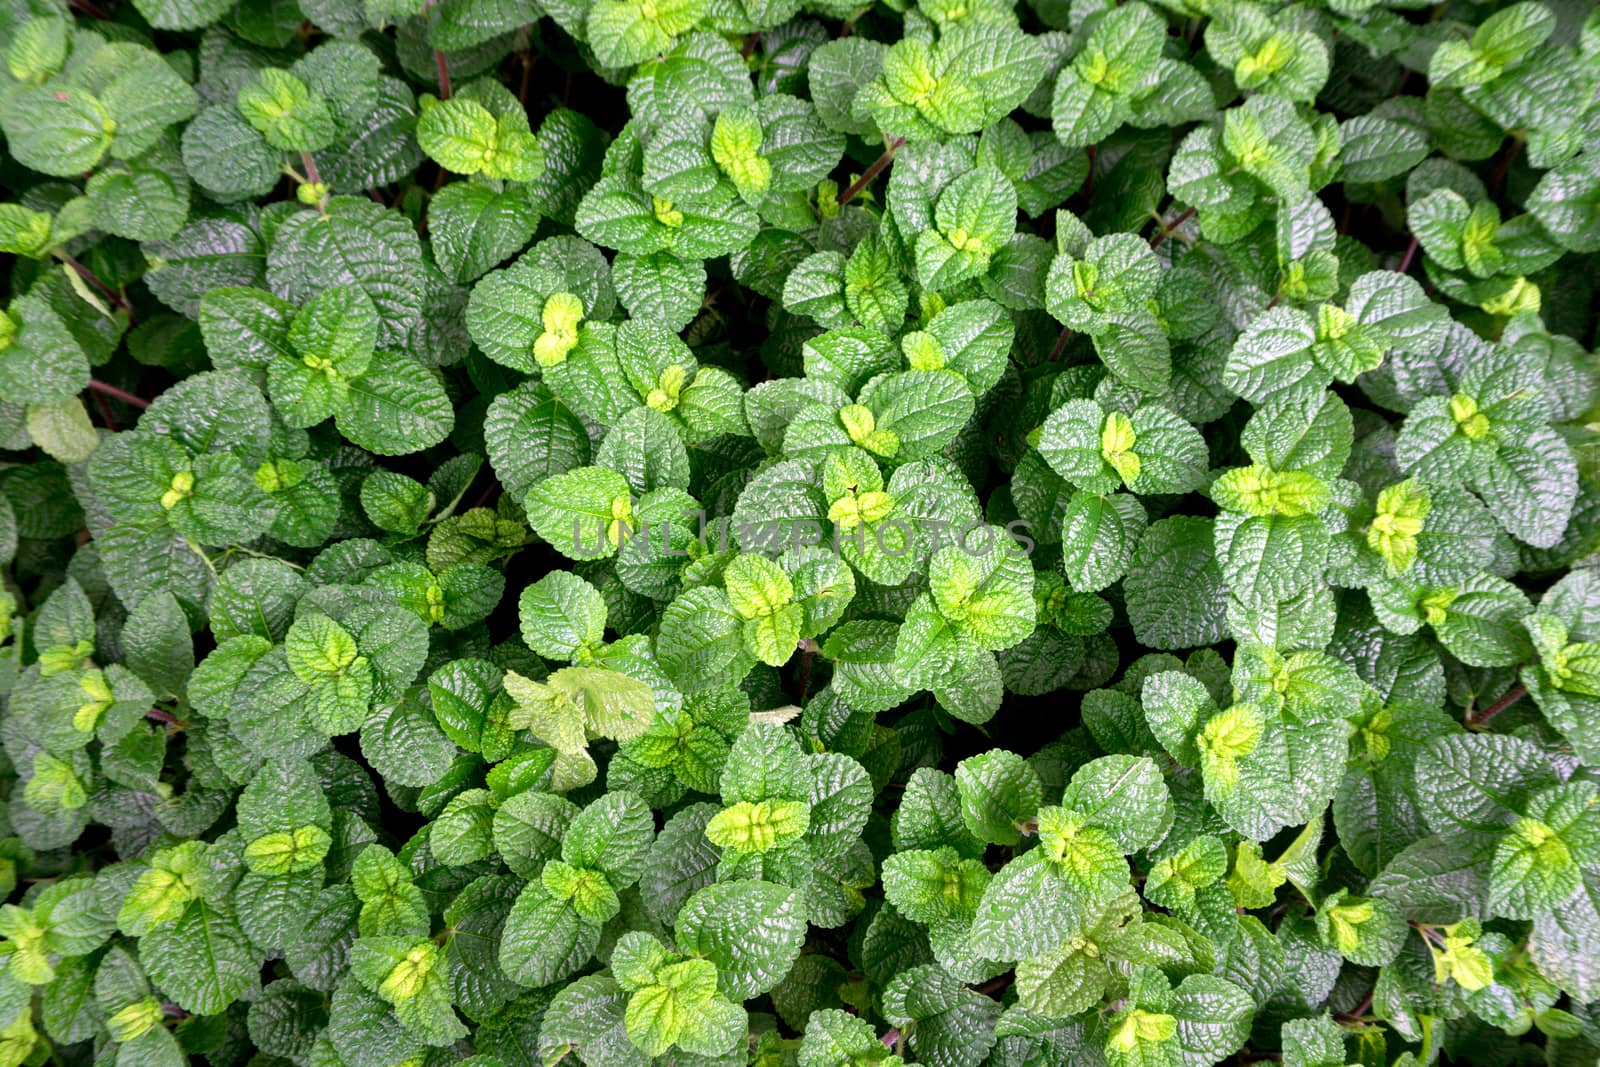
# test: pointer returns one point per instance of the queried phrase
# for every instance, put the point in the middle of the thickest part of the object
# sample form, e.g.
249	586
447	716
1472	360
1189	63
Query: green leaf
182	14
584	513
933	886
1126	797
157	644
474	227
146	199
1536	864
999	792
61	131
618	213
545	939
202	961
1213	1017
469	705
1567	203
1174	585
973	217
286	112
659	287
751	930
834	1038
562	616
355	243
1477	781
40	362
611	836
464	136
702	645
1093	94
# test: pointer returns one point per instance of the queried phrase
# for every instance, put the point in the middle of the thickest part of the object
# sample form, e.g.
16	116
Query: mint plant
788	533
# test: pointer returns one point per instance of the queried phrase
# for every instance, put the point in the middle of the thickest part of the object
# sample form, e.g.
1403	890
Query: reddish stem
871	172
892	1038
1360	1009
1061	344
118	394
443	66
1411	253
93	279
808	651
162	716
1168	229
994	985
439	62
104	407
315	177
1516	694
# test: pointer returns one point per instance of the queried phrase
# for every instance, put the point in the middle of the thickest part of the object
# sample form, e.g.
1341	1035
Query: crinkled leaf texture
751	533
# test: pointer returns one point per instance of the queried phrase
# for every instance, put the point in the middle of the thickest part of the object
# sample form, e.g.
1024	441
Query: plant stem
92	278
163	716
994	985
118	394
1516	694
892	1038
1429	934
1168	229
1411	253
871	172
1360	1009
443	66
197	550
314	176
1060	346
104	407
528	58
440	64
1499	175
808	650
487	495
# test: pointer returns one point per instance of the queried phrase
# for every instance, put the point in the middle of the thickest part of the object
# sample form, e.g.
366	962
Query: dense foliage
780	532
